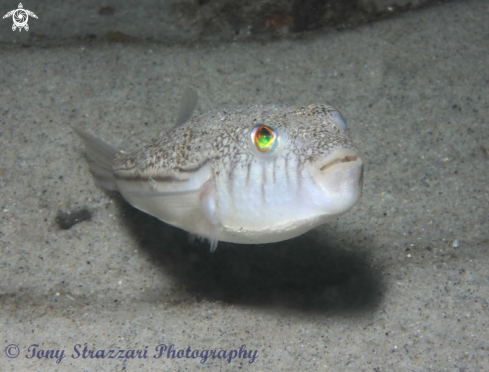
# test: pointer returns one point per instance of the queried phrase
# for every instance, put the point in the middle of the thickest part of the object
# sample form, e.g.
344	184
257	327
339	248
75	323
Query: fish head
332	165
303	171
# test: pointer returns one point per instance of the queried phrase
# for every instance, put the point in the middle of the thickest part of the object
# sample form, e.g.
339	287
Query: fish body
254	174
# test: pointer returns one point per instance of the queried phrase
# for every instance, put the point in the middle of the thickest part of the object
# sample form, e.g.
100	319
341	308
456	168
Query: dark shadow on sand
301	273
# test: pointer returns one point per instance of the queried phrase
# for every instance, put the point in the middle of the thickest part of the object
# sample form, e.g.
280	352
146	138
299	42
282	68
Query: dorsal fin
187	106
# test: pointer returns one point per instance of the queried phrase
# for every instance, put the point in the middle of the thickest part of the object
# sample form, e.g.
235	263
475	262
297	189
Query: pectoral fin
191	210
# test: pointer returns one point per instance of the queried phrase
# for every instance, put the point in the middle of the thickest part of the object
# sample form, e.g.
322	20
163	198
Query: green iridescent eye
264	138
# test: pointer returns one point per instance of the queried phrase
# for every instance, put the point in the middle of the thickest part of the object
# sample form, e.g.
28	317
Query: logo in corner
20	17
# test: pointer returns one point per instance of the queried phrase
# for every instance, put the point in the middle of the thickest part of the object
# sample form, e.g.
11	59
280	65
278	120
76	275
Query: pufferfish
250	175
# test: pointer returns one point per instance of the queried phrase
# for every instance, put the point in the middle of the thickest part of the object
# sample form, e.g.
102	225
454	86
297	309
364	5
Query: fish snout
340	177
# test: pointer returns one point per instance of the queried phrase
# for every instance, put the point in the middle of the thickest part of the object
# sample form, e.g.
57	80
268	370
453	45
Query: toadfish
254	174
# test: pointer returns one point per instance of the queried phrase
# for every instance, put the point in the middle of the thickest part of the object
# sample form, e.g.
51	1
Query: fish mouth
340	178
338	160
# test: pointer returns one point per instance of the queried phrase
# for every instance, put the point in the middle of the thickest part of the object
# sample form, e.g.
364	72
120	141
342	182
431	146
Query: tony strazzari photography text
161	351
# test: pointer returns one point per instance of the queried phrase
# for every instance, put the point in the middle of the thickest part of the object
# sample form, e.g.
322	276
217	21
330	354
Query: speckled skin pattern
222	139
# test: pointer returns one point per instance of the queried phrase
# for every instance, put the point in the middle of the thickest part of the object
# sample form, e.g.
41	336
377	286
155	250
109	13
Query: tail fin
102	156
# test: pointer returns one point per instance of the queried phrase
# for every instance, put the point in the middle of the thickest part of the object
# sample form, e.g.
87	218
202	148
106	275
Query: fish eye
264	138
340	120
306	136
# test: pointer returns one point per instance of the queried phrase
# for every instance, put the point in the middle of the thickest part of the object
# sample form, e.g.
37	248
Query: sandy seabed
384	288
